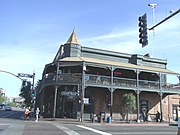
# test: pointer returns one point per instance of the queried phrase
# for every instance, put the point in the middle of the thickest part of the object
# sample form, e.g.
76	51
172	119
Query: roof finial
73	38
74	29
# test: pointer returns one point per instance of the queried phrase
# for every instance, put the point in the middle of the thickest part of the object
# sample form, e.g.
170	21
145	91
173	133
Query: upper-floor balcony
63	78
115	82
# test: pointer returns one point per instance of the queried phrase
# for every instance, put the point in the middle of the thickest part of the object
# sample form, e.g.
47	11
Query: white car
8	108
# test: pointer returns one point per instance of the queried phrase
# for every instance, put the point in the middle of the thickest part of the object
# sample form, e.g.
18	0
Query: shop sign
144	106
69	93
86	100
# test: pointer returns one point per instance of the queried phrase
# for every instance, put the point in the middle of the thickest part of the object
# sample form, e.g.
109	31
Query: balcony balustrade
49	79
97	79
69	78
100	80
63	78
149	84
124	82
169	86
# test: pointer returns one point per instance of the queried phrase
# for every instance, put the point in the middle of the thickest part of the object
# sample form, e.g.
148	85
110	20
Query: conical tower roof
73	39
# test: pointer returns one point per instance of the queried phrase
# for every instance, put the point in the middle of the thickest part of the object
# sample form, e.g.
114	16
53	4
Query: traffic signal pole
173	14
12	74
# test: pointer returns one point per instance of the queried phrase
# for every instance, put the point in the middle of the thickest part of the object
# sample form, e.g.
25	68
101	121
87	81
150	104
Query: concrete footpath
41	128
113	123
59	127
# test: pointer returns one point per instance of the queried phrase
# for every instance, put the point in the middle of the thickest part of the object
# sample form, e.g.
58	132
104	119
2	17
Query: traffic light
78	90
143	30
24	83
33	93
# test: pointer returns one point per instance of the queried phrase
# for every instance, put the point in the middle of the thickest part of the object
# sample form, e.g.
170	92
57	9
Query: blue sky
31	32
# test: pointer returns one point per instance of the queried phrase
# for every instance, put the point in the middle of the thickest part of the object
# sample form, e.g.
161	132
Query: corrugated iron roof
118	64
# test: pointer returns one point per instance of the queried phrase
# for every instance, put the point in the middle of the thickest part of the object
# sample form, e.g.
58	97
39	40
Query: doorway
68	109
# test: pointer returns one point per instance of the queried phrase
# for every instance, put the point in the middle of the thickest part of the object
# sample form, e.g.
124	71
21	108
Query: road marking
67	130
144	133
94	130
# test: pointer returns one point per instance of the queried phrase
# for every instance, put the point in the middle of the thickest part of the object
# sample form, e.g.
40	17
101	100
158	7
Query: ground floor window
175	111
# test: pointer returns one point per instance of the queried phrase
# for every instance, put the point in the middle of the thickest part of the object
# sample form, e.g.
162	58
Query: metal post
111	92
32	90
55	92
153	14
55	98
111	103
173	14
82	92
161	94
138	120
161	119
12	74
137	92
169	115
153	19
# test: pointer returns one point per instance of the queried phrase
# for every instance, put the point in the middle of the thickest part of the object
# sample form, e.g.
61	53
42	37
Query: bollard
178	126
93	118
101	119
109	119
178	133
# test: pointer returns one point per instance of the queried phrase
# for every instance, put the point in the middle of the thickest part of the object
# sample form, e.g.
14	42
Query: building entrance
68	109
144	109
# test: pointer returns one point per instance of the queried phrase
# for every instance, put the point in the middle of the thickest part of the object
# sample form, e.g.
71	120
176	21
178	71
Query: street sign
68	93
25	75
86	100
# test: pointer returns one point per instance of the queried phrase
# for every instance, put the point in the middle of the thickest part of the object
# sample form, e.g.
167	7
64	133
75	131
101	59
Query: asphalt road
16	113
11	125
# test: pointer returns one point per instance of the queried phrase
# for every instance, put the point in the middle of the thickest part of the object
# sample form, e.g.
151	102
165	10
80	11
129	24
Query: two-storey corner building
82	80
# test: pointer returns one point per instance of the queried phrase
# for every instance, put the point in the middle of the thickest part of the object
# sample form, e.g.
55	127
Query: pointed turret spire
73	39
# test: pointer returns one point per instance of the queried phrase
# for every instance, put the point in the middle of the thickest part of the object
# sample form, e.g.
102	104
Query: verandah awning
118	64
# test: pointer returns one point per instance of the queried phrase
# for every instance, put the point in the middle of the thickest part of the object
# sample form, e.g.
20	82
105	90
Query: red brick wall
153	99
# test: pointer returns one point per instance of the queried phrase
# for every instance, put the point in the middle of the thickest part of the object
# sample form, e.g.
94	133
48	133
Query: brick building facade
82	80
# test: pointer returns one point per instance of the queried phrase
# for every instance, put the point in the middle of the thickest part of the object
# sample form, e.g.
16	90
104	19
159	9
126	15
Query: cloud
27	59
164	45
166	37
111	35
121	41
126	40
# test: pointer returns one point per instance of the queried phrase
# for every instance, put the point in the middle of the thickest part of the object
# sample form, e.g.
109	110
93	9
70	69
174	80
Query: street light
153	13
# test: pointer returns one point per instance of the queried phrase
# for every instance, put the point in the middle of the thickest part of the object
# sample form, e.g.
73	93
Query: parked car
2	106
8	108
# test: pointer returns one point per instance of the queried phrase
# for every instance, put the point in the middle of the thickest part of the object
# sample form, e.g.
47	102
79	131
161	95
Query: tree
129	103
2	98
25	92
